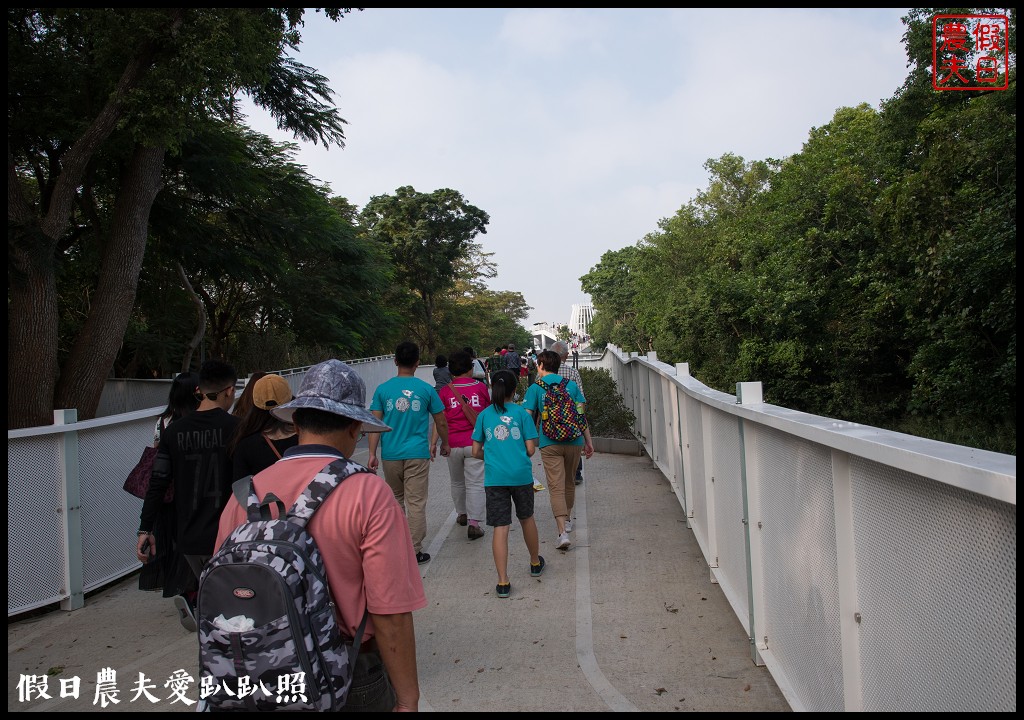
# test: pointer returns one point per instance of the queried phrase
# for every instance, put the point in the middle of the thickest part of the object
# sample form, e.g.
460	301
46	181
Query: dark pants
371	687
196	563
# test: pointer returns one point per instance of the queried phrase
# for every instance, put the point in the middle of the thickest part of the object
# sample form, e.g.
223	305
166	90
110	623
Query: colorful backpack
560	419
268	635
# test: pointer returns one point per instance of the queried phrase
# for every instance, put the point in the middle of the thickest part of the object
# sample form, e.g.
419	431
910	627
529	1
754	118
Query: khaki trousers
560	463
408	480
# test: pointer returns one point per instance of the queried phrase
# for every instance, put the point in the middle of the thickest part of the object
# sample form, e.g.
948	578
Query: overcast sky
577	130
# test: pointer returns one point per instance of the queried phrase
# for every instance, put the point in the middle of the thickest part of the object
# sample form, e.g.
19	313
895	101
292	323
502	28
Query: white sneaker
568	526
563	542
185	613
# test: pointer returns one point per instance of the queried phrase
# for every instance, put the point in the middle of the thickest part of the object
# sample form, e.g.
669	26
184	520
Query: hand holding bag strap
469	412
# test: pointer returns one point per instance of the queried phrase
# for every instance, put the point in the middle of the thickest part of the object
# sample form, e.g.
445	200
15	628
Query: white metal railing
67	513
872	570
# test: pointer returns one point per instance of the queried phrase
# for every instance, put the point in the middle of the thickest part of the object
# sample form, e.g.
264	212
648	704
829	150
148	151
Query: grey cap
334	387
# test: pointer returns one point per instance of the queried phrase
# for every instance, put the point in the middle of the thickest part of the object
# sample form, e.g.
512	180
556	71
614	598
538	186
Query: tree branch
77	158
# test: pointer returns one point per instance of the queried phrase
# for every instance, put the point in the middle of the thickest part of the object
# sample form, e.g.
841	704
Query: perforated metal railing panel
699	502
110	516
729	529
924	597
142	395
35	524
801	580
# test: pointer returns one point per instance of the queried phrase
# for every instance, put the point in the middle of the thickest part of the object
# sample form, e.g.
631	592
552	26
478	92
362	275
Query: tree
949	230
871	276
283	256
611	285
97	98
426	235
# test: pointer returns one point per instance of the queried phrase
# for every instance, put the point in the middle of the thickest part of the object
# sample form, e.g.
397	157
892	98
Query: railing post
751	393
653	404
71	508
684	452
685	433
846	565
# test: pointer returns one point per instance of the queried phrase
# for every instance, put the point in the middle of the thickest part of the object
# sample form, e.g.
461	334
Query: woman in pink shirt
463	399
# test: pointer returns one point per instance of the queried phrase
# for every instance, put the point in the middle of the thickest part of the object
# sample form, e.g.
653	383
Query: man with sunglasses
193	457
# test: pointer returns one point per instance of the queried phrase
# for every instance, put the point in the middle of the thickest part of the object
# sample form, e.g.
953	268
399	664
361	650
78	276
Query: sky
577	130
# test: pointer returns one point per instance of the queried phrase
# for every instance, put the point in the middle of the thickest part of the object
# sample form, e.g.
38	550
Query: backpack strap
312	498
245	493
242	489
320	487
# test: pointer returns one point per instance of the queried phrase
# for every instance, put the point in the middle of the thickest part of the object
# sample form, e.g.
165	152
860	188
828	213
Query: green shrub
607	414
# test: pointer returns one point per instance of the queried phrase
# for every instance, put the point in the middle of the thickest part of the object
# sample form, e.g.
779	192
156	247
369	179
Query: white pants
467	475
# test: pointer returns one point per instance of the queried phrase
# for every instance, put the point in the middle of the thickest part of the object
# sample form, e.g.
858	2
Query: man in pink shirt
367	547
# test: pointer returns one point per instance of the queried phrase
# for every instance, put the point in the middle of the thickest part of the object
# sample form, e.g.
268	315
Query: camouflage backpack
268	635
560	419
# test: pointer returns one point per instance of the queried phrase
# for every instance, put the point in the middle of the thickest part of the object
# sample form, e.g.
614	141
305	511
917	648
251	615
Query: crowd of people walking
486	418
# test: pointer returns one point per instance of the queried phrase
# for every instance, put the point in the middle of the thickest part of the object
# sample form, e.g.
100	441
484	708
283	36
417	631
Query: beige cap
271	391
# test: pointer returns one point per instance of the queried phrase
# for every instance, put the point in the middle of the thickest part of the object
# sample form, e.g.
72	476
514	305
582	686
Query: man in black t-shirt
193	455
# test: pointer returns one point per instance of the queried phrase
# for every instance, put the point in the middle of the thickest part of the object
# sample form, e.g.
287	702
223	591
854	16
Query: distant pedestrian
442	375
495	363
560	456
464	398
513	361
505	438
479	369
569	372
406	404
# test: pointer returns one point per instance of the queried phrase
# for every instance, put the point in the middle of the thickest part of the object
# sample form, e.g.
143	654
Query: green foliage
483	319
606	413
871	276
611	285
277	350
266	251
427	236
98	99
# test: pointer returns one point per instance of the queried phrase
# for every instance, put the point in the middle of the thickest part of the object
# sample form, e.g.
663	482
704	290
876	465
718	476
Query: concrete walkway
626	620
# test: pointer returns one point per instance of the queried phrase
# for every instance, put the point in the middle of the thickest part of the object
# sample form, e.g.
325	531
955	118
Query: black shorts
500	499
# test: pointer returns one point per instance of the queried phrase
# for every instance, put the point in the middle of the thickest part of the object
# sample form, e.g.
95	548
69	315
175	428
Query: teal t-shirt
408	405
504	436
534	402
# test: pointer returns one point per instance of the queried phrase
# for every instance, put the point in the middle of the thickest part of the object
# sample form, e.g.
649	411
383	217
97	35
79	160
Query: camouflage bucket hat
334	387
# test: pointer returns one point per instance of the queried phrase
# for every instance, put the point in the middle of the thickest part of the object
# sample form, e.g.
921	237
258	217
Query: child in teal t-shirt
504	438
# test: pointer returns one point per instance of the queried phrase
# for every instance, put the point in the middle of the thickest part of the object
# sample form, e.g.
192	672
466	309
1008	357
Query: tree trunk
428	325
82	377
32	315
31	328
186	362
